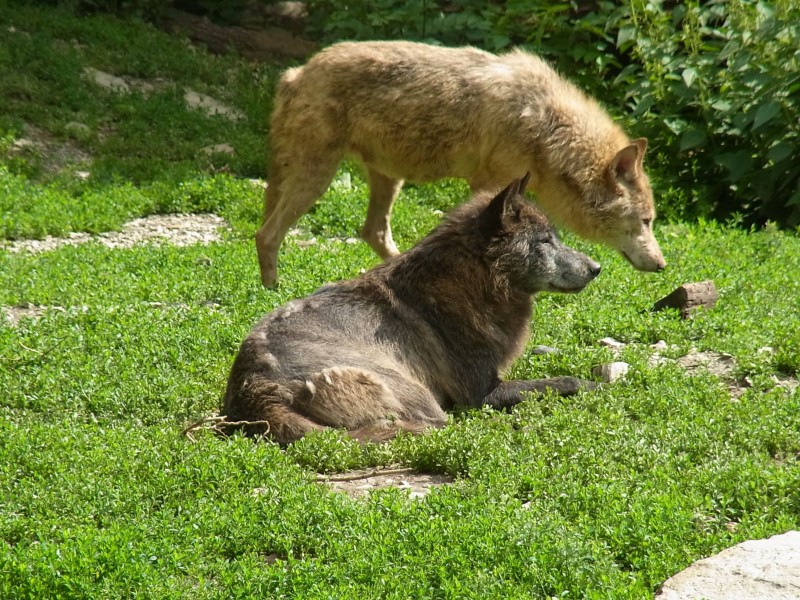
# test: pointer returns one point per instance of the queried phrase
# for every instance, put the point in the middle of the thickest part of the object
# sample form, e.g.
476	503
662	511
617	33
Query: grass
603	495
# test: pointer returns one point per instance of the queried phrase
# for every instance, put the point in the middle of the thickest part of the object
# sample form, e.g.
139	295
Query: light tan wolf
418	112
421	333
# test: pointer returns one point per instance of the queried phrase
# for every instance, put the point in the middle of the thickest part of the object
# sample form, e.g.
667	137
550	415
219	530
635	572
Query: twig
365	475
217	423
40	354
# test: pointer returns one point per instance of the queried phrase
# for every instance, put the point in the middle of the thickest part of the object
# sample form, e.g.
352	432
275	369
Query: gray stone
219	149
107	81
210	106
753	570
610	342
543	350
610	372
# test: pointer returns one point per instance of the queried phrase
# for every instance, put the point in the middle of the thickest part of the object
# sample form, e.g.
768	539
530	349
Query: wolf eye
647	222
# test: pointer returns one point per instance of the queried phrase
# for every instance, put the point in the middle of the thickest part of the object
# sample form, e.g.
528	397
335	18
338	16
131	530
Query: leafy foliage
719	85
602	495
714	85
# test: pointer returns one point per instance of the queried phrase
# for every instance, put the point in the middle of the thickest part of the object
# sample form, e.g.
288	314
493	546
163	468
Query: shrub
718	86
713	84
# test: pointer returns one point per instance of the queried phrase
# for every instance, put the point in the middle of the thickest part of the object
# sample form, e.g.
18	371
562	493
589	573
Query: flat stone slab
753	570
358	484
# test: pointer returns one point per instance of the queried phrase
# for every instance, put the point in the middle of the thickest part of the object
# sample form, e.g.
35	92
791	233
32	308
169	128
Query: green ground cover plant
714	85
603	495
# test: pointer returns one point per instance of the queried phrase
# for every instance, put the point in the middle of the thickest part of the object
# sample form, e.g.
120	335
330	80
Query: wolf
426	331
411	111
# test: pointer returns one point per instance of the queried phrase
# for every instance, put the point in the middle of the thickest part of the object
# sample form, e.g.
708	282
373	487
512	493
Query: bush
718	86
714	85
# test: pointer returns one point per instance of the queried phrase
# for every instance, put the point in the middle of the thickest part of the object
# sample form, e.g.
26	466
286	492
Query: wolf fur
418	112
424	332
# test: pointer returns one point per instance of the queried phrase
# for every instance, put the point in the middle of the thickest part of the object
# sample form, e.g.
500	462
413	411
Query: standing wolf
419	112
419	334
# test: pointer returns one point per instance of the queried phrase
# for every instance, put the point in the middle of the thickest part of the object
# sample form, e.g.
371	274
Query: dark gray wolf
418	112
424	332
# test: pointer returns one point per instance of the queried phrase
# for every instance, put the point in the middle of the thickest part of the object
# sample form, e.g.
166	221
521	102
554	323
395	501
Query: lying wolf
412	111
425	331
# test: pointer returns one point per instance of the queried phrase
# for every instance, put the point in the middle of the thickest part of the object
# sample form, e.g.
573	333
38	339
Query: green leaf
780	151
625	35
721	105
689	75
692	138
738	163
766	112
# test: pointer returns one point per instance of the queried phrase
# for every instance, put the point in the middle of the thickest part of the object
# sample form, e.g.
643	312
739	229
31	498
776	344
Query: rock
610	372
753	570
210	106
543	350
105	80
219	149
358	484
343	182
659	345
689	297
610	342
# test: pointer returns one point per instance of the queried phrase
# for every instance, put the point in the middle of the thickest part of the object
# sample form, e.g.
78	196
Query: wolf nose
595	270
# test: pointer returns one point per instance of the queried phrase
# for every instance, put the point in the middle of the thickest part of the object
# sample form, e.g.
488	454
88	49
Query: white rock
753	570
543	350
218	149
610	342
210	106
659	345
610	372
107	81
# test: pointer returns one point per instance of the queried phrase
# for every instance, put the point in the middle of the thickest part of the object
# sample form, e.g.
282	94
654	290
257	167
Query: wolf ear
627	164
504	206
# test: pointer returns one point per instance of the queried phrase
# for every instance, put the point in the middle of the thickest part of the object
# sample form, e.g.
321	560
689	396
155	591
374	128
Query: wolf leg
263	407
377	230
295	185
369	405
510	393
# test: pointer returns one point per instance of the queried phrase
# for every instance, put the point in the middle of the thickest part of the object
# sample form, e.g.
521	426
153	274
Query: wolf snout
594	268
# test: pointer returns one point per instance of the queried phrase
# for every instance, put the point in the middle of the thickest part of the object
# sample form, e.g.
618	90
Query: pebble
610	372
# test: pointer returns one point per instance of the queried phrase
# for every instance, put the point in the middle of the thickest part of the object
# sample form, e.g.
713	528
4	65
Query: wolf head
630	230
612	202
525	249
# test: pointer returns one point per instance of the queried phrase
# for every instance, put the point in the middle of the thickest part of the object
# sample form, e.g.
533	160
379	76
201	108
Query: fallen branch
38	354
218	424
364	474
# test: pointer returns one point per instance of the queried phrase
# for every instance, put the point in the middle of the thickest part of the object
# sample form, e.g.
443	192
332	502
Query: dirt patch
723	366
178	230
54	155
14	314
716	363
357	484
